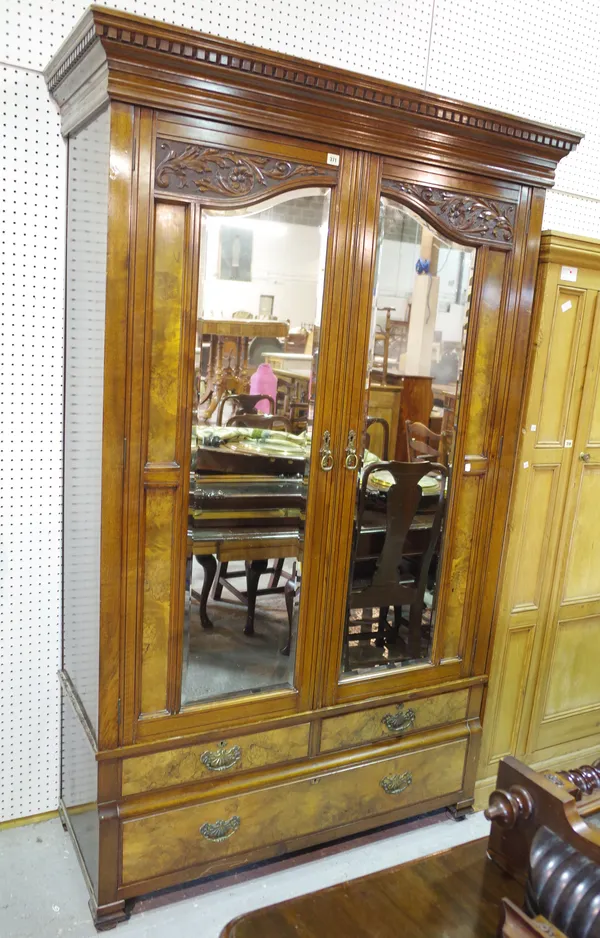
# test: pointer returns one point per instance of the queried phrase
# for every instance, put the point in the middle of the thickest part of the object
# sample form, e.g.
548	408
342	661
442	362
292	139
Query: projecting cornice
128	58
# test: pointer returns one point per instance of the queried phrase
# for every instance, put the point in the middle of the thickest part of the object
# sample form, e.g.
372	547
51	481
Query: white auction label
333	159
525	465
533	427
568	444
568	273
566	306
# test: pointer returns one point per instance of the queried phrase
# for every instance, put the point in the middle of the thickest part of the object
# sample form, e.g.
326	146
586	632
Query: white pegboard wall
388	38
537	60
31	369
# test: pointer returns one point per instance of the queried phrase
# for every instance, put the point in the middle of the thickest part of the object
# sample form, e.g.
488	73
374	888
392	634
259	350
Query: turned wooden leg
254	570
209	565
380	640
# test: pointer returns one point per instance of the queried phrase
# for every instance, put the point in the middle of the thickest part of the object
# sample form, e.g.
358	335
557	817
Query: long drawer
368	726
187	837
214	760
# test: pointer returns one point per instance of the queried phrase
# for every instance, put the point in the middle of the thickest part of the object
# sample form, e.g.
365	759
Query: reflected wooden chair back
243	404
396	573
382	422
423	444
262	421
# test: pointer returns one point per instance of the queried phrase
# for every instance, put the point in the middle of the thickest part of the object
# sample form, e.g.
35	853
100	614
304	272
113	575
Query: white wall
286	261
537	59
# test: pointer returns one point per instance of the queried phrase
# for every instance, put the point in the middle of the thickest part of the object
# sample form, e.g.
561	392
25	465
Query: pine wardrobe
297	321
543	701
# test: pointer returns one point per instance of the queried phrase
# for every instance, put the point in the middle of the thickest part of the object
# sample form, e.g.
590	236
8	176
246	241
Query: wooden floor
454	894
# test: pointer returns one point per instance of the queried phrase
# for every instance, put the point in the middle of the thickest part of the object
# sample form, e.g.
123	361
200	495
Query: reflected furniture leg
218	587
380	640
289	592
209	564
276	576
254	570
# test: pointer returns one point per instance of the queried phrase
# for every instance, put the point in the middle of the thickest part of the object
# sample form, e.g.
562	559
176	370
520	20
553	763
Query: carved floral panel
474	216
221	173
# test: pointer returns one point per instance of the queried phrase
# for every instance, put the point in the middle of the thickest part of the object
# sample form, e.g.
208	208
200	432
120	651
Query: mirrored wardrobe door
256	377
238	314
404	475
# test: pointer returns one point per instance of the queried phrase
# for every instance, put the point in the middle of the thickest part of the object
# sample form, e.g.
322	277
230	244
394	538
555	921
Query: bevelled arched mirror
256	375
419	323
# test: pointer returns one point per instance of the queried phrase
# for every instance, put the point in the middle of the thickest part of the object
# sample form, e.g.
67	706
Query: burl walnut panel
215	759
392	720
210	831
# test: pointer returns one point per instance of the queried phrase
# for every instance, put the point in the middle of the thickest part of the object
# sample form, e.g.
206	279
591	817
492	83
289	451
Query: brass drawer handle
222	758
220	830
351	457
400	721
395	784
325	452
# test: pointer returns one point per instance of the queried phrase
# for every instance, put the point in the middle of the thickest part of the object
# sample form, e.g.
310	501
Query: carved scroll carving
224	173
477	217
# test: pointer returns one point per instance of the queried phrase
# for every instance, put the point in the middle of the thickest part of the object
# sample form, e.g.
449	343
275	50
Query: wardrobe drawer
187	837
215	759
367	726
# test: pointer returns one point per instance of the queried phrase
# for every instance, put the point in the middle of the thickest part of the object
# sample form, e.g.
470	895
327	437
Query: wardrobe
544	695
274	635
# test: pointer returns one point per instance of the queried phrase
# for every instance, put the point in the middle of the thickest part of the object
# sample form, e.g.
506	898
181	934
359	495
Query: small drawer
214	760
368	726
185	838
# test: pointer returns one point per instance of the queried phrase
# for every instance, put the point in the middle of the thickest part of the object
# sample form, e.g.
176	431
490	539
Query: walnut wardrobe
278	603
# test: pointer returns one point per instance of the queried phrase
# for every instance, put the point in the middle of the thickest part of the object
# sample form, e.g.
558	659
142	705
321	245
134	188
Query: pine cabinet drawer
214	760
187	837
368	726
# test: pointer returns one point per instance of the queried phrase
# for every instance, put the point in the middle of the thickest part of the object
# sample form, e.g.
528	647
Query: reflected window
418	332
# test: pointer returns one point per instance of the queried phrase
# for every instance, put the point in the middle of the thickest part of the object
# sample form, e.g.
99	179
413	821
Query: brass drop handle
351	455
325	452
221	758
400	721
396	784
220	830
585	457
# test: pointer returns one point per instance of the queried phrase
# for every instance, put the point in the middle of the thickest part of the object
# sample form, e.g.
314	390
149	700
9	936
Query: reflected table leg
209	565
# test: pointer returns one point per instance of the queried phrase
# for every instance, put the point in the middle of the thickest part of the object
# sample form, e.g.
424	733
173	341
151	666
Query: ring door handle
325	452
351	455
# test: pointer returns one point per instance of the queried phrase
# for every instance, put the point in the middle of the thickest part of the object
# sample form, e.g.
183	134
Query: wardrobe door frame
159	665
499	323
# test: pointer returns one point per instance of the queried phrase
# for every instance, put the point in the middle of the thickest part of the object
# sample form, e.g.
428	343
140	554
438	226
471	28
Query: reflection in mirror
418	330
259	313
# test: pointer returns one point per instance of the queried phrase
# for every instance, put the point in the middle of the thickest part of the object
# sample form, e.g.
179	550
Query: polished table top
454	894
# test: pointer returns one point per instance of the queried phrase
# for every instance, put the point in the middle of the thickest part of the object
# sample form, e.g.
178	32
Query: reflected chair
261	421
386	435
394	548
423	444
243	404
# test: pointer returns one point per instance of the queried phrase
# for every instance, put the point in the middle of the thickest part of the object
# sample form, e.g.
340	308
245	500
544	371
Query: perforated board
536	59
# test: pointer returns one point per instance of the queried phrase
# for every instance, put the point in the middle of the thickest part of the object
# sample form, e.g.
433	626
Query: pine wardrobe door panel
569	704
